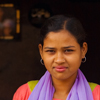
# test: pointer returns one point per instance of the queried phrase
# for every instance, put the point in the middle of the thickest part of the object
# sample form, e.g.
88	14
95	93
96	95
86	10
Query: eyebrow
69	47
62	47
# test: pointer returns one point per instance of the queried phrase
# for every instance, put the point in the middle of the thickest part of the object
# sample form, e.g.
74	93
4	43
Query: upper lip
60	67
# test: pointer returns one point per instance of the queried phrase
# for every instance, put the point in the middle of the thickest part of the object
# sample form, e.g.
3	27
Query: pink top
22	93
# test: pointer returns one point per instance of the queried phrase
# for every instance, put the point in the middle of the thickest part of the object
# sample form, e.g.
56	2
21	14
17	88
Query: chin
60	77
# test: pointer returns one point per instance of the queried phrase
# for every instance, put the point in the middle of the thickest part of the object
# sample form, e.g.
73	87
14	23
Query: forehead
62	37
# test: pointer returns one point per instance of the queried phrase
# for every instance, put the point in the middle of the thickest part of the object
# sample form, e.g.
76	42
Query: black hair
60	22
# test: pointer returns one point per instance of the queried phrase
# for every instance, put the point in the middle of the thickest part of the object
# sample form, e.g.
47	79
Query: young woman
62	48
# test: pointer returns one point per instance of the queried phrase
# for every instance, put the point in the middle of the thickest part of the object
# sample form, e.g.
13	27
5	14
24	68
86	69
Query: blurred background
20	60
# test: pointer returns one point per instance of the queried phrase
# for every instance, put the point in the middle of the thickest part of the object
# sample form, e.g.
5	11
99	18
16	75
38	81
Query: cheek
74	60
48	61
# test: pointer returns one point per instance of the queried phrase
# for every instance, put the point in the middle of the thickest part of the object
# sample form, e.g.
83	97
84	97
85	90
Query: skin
62	49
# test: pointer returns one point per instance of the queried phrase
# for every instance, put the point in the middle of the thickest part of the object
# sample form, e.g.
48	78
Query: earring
41	61
84	60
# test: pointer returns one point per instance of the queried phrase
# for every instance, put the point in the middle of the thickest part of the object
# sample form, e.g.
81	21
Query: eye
51	51
69	50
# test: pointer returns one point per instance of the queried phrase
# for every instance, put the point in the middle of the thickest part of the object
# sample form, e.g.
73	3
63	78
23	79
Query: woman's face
62	55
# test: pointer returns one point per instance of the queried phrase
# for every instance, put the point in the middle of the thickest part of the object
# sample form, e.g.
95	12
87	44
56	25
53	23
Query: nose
59	58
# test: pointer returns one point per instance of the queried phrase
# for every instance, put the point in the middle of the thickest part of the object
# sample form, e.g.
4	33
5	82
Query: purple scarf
44	90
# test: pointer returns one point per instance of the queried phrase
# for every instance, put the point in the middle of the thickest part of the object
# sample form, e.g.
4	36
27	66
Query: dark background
19	61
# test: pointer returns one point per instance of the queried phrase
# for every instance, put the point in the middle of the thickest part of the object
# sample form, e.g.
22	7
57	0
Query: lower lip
60	69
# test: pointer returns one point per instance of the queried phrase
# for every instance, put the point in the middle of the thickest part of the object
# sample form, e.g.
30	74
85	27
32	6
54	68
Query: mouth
60	68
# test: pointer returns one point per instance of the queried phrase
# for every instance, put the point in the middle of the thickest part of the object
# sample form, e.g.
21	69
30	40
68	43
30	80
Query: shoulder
32	84
95	90
24	91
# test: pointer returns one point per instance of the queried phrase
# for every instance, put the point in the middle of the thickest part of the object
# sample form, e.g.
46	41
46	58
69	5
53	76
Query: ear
40	50
84	49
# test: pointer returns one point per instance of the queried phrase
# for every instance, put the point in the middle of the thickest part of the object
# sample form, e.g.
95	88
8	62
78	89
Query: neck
63	87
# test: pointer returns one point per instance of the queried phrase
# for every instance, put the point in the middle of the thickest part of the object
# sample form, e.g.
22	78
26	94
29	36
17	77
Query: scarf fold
44	90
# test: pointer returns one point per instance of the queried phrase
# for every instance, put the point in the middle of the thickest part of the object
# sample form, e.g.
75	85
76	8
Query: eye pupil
69	50
50	51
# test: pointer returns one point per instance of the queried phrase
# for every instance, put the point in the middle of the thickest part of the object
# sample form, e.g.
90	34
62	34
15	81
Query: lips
60	68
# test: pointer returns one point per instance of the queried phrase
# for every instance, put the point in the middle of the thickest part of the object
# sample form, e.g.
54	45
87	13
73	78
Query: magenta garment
44	90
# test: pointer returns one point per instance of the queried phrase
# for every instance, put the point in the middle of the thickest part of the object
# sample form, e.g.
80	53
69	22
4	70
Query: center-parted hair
61	22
